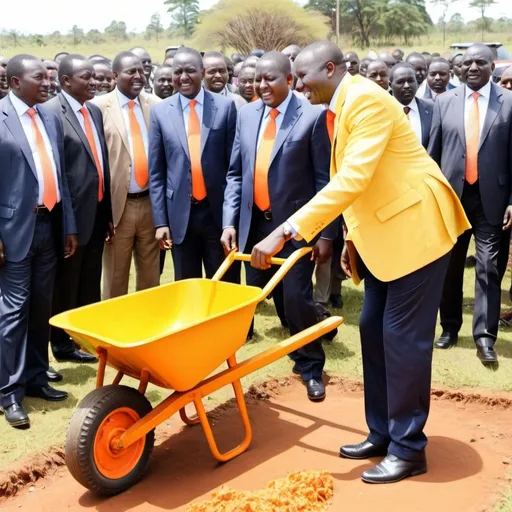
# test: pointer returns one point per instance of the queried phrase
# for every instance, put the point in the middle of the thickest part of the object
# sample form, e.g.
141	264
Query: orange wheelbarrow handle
285	263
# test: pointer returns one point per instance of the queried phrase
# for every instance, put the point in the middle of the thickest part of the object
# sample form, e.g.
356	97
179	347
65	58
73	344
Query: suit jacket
19	187
428	92
81	172
400	211
118	145
426	109
299	165
448	148
169	161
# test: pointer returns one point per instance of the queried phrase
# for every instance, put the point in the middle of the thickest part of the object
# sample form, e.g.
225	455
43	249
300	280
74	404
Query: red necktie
407	110
92	143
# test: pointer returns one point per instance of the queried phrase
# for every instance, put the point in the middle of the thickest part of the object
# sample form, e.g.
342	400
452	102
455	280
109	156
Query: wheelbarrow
173	336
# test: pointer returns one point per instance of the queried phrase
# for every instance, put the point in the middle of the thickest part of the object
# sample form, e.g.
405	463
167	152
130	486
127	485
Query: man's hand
2	254
109	238
507	219
345	261
228	240
163	235
268	247
322	251
71	245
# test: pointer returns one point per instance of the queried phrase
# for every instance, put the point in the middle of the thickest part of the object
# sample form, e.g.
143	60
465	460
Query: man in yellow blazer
403	219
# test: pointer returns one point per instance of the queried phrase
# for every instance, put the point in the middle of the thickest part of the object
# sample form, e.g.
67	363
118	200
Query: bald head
251	61
506	79
325	51
3	61
388	59
292	51
280	62
378	72
273	78
477	66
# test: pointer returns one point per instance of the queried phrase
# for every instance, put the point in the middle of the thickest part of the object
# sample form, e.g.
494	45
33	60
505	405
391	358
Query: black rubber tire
82	430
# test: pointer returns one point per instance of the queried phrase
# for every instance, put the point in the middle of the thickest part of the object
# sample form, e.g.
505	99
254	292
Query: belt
267	214
194	201
41	210
138	195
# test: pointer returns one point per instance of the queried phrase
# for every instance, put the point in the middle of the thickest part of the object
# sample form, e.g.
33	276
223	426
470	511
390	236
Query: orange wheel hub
111	462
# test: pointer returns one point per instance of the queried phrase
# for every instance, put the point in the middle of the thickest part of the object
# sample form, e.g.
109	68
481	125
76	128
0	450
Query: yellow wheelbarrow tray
173	336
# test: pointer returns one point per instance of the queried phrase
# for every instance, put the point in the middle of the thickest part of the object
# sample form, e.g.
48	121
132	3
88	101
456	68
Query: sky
99	14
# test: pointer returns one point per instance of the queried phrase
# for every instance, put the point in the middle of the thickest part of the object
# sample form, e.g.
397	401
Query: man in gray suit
470	140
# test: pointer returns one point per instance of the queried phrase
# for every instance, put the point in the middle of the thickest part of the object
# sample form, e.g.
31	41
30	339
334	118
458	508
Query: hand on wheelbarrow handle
285	263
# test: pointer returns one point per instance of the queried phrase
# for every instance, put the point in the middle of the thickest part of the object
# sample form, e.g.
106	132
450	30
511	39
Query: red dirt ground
468	455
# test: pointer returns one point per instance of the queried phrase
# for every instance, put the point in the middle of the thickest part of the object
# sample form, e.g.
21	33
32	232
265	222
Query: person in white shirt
418	62
438	78
126	123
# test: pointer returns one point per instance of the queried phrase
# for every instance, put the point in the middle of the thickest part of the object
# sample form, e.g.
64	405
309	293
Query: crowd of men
104	162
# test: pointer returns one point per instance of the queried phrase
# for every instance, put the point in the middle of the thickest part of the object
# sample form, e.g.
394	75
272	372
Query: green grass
505	505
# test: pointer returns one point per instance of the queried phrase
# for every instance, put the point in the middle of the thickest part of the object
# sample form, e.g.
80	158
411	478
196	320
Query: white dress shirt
134	187
483	103
198	108
21	109
415	119
422	89
76	107
279	119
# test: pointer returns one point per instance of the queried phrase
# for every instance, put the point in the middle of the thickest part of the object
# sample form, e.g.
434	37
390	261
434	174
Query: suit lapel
73	121
495	102
253	135
348	79
424	113
209	113
146	108
458	113
53	139
13	123
115	112
293	112
178	123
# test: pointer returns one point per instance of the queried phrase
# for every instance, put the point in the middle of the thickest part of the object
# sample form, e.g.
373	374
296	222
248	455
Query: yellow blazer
119	158
400	211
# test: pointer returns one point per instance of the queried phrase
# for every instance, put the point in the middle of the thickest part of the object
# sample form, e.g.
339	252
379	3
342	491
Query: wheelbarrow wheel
103	415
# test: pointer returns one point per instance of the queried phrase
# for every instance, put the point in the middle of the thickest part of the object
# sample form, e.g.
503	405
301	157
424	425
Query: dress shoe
393	469
75	356
53	375
364	450
46	393
447	340
316	390
336	301
485	351
16	416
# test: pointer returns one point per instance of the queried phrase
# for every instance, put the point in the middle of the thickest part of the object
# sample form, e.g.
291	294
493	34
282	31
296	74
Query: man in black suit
78	281
438	78
378	72
470	140
419	111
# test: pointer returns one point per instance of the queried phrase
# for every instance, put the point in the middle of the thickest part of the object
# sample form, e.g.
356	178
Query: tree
456	23
117	30
445	4
185	14
366	14
402	19
77	34
267	24
94	36
326	7
482	5
14	36
155	26
38	40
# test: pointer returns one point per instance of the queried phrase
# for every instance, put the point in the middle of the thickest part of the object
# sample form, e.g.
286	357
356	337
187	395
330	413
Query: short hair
59	54
440	60
159	69
414	55
398	51
378	62
67	65
185	50
216	55
117	64
436	54
258	53
426	53
16	65
282	61
398	66
51	64
104	62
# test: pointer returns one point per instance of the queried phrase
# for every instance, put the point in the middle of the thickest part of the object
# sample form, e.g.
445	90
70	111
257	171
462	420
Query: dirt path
468	459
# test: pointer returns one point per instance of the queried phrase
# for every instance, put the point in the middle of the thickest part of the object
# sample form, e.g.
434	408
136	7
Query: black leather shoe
75	356
393	469
485	351
446	340
316	390
364	450
336	301
46	393
16	416
53	375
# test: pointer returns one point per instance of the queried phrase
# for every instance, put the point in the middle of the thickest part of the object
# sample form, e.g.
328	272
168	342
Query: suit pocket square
6	212
410	198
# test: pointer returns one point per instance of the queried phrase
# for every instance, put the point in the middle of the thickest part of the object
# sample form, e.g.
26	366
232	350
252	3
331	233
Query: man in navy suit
280	160
438	78
36	217
419	111
190	142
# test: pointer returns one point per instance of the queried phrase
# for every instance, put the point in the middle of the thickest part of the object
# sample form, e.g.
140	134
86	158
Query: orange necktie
139	151
90	137
331	116
261	195
194	149
472	140
49	185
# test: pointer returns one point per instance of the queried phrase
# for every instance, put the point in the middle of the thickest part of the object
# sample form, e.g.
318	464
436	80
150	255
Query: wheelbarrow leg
242	407
187	420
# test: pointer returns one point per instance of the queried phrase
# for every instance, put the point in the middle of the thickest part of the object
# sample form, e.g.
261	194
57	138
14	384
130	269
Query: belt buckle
267	215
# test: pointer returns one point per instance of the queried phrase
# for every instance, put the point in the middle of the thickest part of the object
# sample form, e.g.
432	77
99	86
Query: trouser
329	276
25	309
397	330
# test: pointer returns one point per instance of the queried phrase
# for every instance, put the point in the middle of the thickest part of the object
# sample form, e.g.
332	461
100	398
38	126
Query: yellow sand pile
305	491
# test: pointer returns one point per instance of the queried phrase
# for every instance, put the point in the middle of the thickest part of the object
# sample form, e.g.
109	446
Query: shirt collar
185	101
19	105
75	105
334	99
123	100
413	105
485	91
283	107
